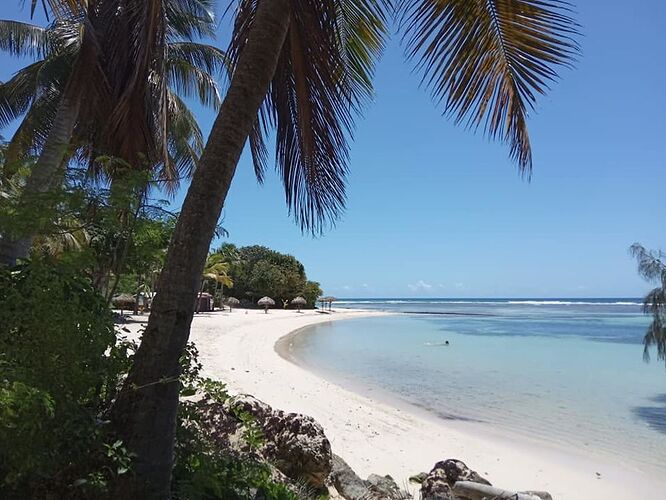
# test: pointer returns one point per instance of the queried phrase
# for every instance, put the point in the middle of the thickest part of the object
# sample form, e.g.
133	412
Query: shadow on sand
654	415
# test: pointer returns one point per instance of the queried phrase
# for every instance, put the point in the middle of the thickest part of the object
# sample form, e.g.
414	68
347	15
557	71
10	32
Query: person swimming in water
446	343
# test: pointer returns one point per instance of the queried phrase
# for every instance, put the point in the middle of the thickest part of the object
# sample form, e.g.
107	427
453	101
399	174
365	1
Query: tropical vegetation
257	271
104	121
652	268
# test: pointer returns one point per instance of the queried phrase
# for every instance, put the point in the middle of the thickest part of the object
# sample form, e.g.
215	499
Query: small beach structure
204	302
232	302
327	300
124	301
266	302
299	302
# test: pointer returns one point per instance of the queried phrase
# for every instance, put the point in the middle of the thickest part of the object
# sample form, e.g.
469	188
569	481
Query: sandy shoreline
375	437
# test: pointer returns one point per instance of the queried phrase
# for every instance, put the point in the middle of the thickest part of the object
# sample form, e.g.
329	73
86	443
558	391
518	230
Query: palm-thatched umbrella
124	301
328	300
299	302
266	302
232	302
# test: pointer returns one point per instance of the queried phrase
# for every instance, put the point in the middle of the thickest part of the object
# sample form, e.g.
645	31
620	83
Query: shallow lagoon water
566	372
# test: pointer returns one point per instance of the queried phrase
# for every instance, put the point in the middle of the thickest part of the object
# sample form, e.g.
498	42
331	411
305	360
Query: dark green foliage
202	470
652	267
258	271
61	364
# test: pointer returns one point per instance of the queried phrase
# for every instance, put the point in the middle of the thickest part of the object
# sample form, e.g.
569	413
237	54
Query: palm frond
323	76
31	83
189	19
652	268
189	81
651	264
60	8
487	60
31	134
185	144
23	39
362	28
204	57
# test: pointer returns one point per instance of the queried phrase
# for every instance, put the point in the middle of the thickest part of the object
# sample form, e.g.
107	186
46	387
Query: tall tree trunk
45	175
145	411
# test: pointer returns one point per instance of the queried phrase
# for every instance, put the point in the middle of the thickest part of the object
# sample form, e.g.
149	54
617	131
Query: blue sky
435	210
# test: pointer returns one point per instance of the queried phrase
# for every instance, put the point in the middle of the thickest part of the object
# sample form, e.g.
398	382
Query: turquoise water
567	372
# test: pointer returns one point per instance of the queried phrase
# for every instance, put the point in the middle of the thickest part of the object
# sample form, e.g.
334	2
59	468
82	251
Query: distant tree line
257	271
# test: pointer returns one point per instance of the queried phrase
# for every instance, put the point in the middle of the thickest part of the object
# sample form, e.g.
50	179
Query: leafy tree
305	67
258	271
652	268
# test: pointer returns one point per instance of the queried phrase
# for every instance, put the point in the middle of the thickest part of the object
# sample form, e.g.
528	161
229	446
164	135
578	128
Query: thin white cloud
419	286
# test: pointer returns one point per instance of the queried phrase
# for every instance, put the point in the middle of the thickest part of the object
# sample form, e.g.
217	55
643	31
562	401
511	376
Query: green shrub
60	366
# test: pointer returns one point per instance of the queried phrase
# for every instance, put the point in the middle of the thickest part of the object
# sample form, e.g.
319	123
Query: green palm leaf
486	60
652	268
322	79
23	39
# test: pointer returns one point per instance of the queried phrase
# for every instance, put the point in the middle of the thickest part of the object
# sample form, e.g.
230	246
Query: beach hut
204	302
299	302
266	302
232	302
124	301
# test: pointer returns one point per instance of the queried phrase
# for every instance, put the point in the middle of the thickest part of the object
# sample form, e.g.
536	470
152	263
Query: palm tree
652	267
304	68
121	107
216	270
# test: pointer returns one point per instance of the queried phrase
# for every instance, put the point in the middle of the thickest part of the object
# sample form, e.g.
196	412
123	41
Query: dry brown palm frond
486	60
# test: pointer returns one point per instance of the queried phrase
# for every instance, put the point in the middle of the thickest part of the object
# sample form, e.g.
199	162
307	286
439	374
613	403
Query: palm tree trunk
145	411
44	176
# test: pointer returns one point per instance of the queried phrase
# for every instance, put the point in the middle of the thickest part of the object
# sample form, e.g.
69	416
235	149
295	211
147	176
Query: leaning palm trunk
44	177
145	412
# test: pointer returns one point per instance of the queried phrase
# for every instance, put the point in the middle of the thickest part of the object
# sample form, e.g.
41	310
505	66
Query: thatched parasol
299	302
232	302
266	302
123	301
328	300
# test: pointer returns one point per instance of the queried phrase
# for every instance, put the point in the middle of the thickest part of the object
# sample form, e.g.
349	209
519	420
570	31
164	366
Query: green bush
60	366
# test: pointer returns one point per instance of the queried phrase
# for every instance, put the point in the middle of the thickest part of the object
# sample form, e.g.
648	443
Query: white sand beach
375	437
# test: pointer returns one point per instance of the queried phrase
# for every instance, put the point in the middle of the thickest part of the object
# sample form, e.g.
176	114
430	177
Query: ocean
565	372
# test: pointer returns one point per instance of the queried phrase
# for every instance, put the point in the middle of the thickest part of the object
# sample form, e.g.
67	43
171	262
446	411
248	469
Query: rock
351	487
418	478
385	487
298	447
295	444
439	482
345	480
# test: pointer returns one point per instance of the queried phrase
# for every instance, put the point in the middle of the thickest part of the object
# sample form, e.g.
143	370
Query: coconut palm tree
303	68
652	267
216	270
91	92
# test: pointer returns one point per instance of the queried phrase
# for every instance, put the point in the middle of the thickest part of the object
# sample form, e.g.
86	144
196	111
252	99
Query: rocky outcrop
439	483
298	454
292	443
297	446
453	480
345	481
350	486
